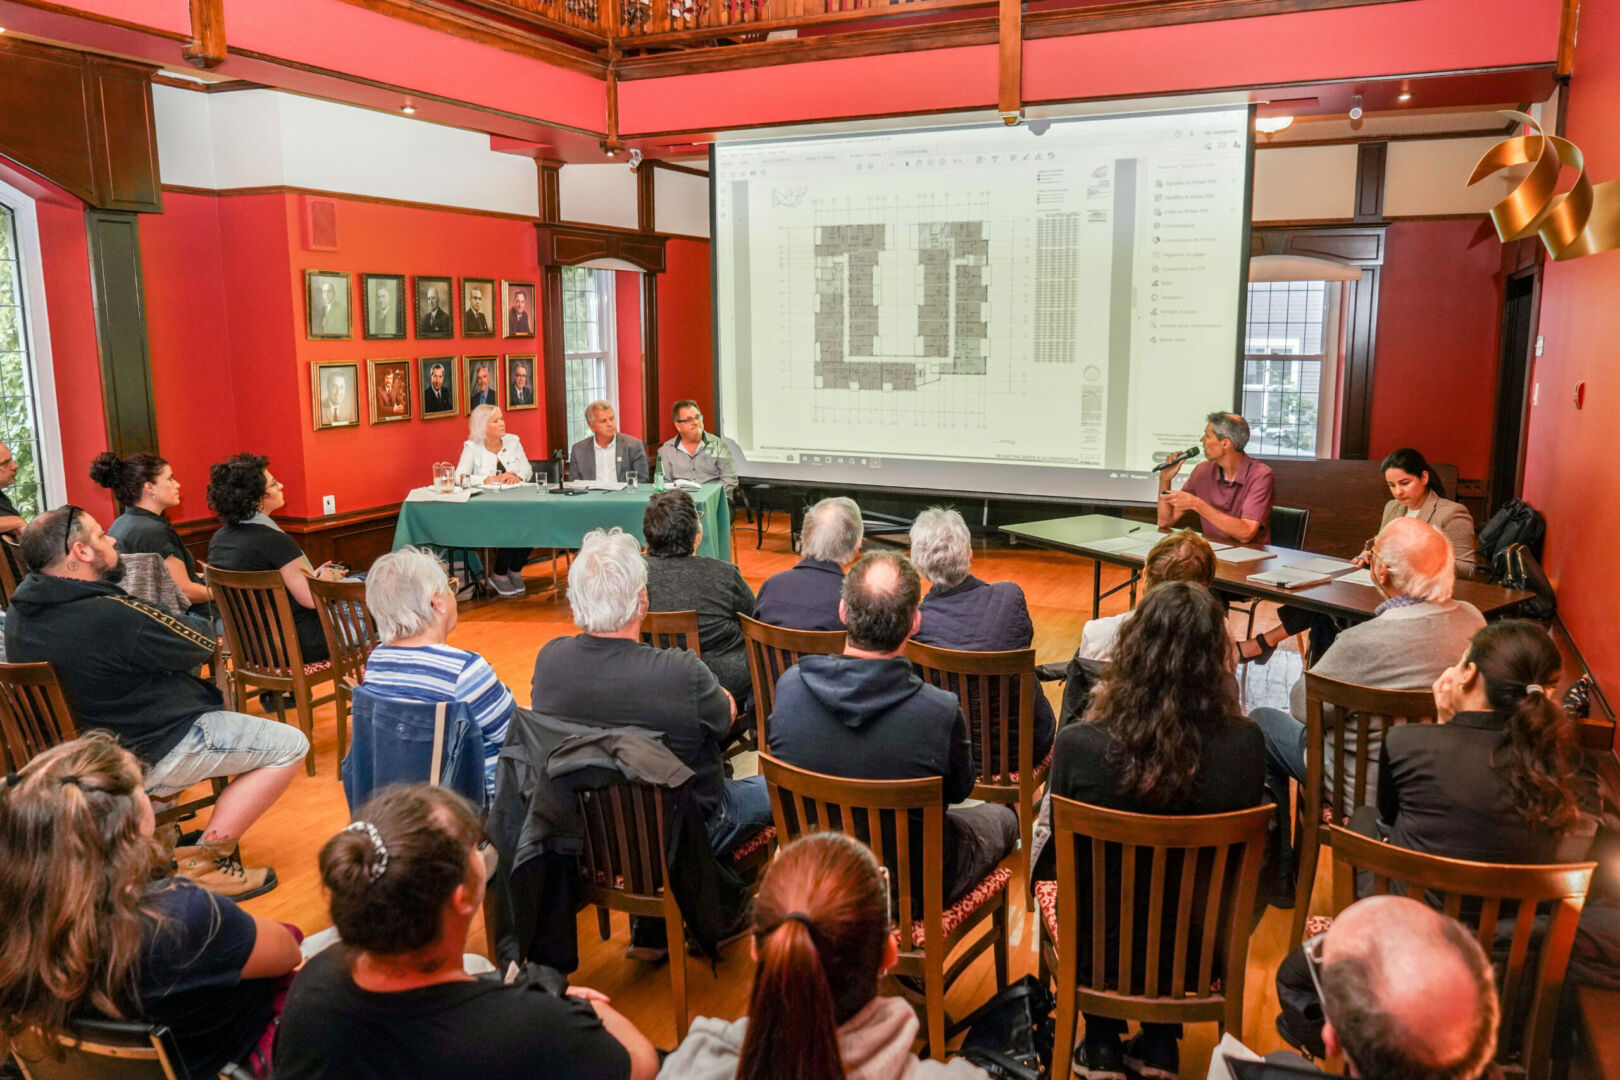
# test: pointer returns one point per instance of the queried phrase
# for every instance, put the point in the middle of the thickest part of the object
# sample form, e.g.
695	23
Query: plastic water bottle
658	475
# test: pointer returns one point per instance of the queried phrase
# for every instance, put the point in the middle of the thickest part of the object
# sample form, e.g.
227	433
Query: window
589	368
19	416
1290	367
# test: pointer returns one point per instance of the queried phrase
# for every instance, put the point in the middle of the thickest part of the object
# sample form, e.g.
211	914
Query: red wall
1434	376
1570	473
627	328
225	305
685	330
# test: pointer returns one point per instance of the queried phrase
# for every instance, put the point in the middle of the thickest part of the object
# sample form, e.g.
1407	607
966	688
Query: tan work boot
221	872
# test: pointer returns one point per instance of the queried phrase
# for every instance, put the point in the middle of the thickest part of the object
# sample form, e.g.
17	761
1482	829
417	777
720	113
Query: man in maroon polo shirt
1230	491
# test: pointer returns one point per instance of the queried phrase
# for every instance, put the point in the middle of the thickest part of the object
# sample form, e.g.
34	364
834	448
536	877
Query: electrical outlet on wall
328	504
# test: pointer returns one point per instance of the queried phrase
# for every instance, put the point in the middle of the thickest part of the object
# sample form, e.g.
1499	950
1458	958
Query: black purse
1011	1035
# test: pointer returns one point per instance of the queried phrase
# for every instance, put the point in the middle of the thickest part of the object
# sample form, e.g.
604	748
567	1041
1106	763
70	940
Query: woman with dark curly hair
97	926
1163	734
244	495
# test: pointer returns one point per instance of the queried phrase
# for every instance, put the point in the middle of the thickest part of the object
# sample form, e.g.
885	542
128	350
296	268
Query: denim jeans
744	809
1285	759
225	744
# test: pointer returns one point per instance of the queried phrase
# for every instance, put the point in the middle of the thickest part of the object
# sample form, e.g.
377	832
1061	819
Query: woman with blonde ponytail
821	942
94	924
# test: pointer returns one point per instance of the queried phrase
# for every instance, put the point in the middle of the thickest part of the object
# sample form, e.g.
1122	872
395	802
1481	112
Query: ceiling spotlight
1355	107
1270	125
635	160
1404	95
407	108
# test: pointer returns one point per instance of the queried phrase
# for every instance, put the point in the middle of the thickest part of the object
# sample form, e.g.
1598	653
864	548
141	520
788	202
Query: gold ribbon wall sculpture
1582	221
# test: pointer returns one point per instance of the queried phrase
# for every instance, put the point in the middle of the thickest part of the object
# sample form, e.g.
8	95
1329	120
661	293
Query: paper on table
427	494
686	485
1126	545
1321	565
595	485
1242	554
1360	577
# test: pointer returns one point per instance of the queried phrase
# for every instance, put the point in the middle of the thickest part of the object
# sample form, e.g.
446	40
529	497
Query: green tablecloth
526	517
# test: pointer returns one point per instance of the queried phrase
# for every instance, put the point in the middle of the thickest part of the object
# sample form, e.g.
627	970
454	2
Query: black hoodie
124	664
874	720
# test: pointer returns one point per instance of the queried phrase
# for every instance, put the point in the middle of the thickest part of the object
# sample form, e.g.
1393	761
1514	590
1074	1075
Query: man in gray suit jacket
591	458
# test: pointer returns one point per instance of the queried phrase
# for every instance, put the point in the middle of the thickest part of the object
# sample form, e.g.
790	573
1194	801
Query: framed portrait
478	312
520	390
384	298
326	302
335	393
483	381
437	378
390	383
433	299
517	301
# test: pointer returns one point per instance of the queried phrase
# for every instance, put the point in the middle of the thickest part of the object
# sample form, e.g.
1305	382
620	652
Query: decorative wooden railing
671	22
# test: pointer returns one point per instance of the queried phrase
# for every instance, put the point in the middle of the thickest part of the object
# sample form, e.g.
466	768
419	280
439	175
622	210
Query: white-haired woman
965	612
490	455
414	602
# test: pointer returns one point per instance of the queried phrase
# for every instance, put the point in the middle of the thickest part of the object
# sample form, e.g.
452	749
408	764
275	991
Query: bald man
1405	992
1414	635
10	520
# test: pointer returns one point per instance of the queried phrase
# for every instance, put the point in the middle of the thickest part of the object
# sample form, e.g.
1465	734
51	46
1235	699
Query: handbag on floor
1011	1035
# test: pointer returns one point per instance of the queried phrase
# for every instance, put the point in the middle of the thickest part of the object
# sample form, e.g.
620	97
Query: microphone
1176	459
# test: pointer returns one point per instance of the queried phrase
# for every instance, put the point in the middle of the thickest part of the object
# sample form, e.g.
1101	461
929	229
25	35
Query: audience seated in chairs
1181	556
96	925
821	941
1414	635
1164	734
145	487
963	612
413	599
244	495
806	597
1407	992
865	715
678	579
394	999
127	667
606	677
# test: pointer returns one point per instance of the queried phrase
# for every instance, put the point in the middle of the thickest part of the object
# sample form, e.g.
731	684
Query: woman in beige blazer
1418	492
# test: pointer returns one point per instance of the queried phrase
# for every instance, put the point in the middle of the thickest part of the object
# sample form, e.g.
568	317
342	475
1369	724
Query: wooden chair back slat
623	838
997	692
11	570
258	617
351	632
1218	853
771	651
671	630
33	713
1334	712
1546	903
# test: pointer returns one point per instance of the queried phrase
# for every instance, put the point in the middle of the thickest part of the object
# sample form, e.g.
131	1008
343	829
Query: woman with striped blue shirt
413	600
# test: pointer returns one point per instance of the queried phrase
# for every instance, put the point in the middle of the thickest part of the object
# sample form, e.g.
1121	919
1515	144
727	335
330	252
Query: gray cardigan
1451	518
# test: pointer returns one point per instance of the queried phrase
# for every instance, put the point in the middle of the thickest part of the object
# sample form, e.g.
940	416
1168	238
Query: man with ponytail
821	941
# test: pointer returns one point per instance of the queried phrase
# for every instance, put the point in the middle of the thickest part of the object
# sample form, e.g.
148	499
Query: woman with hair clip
1163	734
95	926
821	941
145	487
395	999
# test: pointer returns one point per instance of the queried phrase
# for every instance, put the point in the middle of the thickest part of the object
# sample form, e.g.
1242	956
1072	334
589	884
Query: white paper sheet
1289	577
1321	564
427	494
1126	545
1217	1060
1242	554
1360	577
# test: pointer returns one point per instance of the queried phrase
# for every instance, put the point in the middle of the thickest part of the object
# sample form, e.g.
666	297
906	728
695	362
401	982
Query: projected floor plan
952	331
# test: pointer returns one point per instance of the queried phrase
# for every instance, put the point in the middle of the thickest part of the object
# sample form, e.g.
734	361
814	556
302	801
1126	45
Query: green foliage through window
19	424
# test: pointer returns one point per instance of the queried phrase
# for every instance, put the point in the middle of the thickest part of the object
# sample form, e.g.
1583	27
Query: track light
1404	96
408	109
635	160
1355	107
1270	125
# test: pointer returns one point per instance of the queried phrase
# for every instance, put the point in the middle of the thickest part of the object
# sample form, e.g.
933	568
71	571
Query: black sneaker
1153	1058
648	942
1100	1059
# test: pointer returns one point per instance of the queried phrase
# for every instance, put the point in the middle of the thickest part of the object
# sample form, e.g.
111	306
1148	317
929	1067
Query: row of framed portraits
443	386
432	307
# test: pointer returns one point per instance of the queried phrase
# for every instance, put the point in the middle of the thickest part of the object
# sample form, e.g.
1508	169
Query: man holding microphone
1230	491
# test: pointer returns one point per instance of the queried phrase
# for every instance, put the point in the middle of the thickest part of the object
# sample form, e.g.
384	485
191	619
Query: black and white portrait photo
433	308
385	305
326	296
336	394
477	307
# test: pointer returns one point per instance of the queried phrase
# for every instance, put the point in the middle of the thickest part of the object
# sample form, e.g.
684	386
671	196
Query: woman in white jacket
821	941
491	456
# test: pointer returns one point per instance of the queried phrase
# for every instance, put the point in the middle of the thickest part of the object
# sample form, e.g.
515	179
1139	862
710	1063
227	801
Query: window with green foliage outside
19	418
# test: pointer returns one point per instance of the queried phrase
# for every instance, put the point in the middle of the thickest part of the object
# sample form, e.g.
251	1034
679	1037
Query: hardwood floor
509	633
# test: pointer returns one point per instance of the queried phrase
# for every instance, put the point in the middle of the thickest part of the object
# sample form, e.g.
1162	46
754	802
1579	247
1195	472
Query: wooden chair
34	717
115	1050
804	802
11	570
1484	896
672	630
622	868
771	651
1333	711
263	644
1217	860
997	691
351	634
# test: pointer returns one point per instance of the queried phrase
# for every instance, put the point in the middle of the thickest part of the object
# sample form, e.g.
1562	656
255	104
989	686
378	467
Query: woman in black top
678	579
1163	734
145	486
244	495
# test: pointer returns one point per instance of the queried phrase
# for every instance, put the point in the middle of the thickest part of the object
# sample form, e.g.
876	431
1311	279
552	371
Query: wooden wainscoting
354	539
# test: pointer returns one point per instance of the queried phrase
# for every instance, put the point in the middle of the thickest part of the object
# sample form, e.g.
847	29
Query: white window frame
37	340
1331	359
607	328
